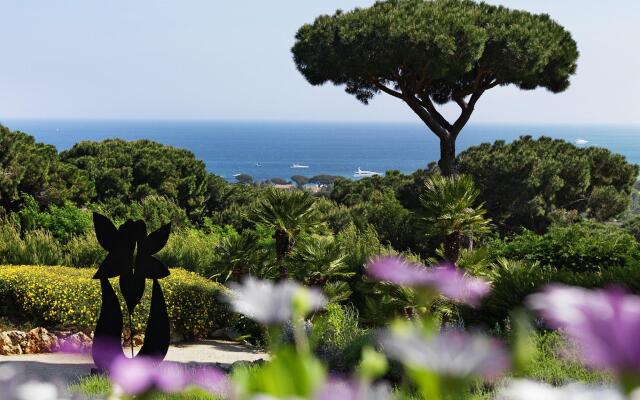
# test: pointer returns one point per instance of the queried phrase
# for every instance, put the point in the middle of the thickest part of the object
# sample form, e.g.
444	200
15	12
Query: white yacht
296	165
581	142
363	174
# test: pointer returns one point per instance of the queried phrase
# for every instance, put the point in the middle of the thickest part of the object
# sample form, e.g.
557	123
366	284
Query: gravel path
69	367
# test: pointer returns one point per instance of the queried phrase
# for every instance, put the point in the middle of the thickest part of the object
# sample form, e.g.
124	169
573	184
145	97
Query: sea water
267	150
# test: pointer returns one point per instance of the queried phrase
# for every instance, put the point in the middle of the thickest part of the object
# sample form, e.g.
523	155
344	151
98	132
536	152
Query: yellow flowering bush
68	297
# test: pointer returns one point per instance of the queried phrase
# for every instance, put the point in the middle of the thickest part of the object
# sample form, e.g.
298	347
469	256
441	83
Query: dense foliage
514	281
28	167
124	172
585	246
325	239
529	181
434	52
450	210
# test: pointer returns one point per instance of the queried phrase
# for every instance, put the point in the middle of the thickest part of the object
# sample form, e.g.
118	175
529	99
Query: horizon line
309	121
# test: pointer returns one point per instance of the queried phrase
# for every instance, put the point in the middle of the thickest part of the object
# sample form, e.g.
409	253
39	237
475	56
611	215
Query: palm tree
320	261
289	213
448	207
239	256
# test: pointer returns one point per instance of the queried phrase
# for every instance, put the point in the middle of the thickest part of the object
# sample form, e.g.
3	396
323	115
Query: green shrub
514	281
360	246
154	210
84	251
393	223
191	249
63	222
69	297
338	338
554	364
586	246
37	247
632	226
41	248
187	248
11	246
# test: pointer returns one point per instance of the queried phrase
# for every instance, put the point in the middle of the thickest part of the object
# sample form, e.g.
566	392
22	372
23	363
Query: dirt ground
69	367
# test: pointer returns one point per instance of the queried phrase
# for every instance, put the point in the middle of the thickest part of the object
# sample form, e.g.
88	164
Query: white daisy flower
523	389
273	303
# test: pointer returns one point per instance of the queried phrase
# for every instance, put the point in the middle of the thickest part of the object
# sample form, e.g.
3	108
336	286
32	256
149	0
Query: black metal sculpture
131	259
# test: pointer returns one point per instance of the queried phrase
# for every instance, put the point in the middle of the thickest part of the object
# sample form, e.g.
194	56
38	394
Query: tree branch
466	112
416	105
417	108
493	84
479	87
431	108
459	99
388	90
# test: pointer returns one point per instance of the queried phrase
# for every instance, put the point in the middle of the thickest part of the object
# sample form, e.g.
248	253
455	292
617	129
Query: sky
231	60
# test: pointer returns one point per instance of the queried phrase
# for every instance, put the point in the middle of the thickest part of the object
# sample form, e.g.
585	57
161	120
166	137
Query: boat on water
258	164
236	175
581	142
363	173
296	165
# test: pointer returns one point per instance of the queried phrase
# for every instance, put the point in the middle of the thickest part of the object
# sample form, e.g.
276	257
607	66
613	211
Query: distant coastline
266	150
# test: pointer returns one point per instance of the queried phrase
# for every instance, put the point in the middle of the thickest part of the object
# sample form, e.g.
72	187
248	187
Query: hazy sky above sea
201	59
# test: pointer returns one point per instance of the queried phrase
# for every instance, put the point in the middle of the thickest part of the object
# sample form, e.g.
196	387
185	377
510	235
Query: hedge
67	297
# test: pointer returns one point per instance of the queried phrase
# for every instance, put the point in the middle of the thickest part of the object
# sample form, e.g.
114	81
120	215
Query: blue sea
266	150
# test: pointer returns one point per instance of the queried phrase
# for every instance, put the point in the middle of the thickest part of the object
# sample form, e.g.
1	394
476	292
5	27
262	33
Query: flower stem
300	336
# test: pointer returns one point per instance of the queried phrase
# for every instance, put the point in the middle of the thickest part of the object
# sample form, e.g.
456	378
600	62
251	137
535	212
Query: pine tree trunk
447	161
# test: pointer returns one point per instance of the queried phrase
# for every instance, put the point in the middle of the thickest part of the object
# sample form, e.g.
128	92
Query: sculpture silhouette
130	257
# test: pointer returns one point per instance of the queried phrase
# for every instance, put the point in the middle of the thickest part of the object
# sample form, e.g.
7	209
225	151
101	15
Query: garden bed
64	298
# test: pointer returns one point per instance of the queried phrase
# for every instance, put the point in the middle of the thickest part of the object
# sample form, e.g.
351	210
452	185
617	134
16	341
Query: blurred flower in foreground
274	303
135	376
14	386
530	390
445	278
454	354
605	324
353	390
212	380
35	390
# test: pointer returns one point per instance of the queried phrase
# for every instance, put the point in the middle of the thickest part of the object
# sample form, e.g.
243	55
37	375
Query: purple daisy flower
138	375
133	376
452	282
212	380
605	324
171	377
